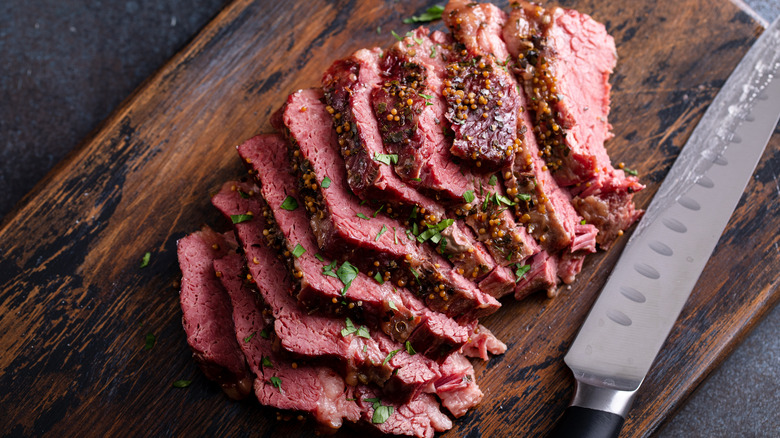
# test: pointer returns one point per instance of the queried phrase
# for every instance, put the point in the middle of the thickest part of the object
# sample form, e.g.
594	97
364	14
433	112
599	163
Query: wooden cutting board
75	307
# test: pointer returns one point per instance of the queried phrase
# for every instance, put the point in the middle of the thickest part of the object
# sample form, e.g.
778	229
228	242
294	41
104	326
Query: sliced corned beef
207	314
393	311
285	383
542	274
343	226
314	389
348	86
540	204
419	417
483	341
458	388
482	96
564	60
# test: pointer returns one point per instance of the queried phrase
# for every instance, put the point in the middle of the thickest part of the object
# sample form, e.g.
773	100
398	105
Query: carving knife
665	256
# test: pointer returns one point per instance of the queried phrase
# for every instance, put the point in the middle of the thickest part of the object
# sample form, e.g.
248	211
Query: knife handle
579	422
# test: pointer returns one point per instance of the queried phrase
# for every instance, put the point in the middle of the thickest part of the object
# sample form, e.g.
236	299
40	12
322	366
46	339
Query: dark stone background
65	65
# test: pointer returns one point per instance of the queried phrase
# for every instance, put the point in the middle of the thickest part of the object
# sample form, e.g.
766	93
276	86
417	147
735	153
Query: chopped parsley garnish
386	158
362	216
239	218
378	30
277	382
410	349
630	171
501	199
243	194
434	231
145	259
433	52
350	329
150	341
485	202
325	183
395	237
251	335
346	273
521	271
468	196
582	222
390	356
267	363
289	203
381	207
416	275
298	251
264	334
379	234
319	257
182	383
524	196
493	180
426	96
396	36
413	214
391	305
362	331
431	14
379	279
381	412
328	270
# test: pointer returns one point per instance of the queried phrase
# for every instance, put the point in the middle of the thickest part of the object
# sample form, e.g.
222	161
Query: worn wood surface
75	306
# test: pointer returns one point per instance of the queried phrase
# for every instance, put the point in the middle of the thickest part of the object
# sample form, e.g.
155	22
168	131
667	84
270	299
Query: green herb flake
378	30
416	275
277	382
379	279
363	332
485	203
433	52
239	218
346	273
349	329
468	196
631	172
362	216
431	14
392	305
298	251
150	341
435	230
396	36
410	349
243	194
413	214
319	257
389	356
289	203
426	96
501	199
382	231
582	222
381	414
326	183
328	270
493	180
267	363
264	334
249	338
521	271
381	207
524	196
145	259
386	158
182	383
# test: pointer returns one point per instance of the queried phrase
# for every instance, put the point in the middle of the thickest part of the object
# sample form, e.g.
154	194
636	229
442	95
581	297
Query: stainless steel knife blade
665	256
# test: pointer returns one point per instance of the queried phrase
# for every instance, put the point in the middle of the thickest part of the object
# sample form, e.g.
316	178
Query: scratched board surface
75	307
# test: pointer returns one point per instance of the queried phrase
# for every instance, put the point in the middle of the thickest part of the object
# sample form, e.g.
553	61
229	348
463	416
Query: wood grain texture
75	306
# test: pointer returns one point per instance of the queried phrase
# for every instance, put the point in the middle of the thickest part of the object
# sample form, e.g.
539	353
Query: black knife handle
579	422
